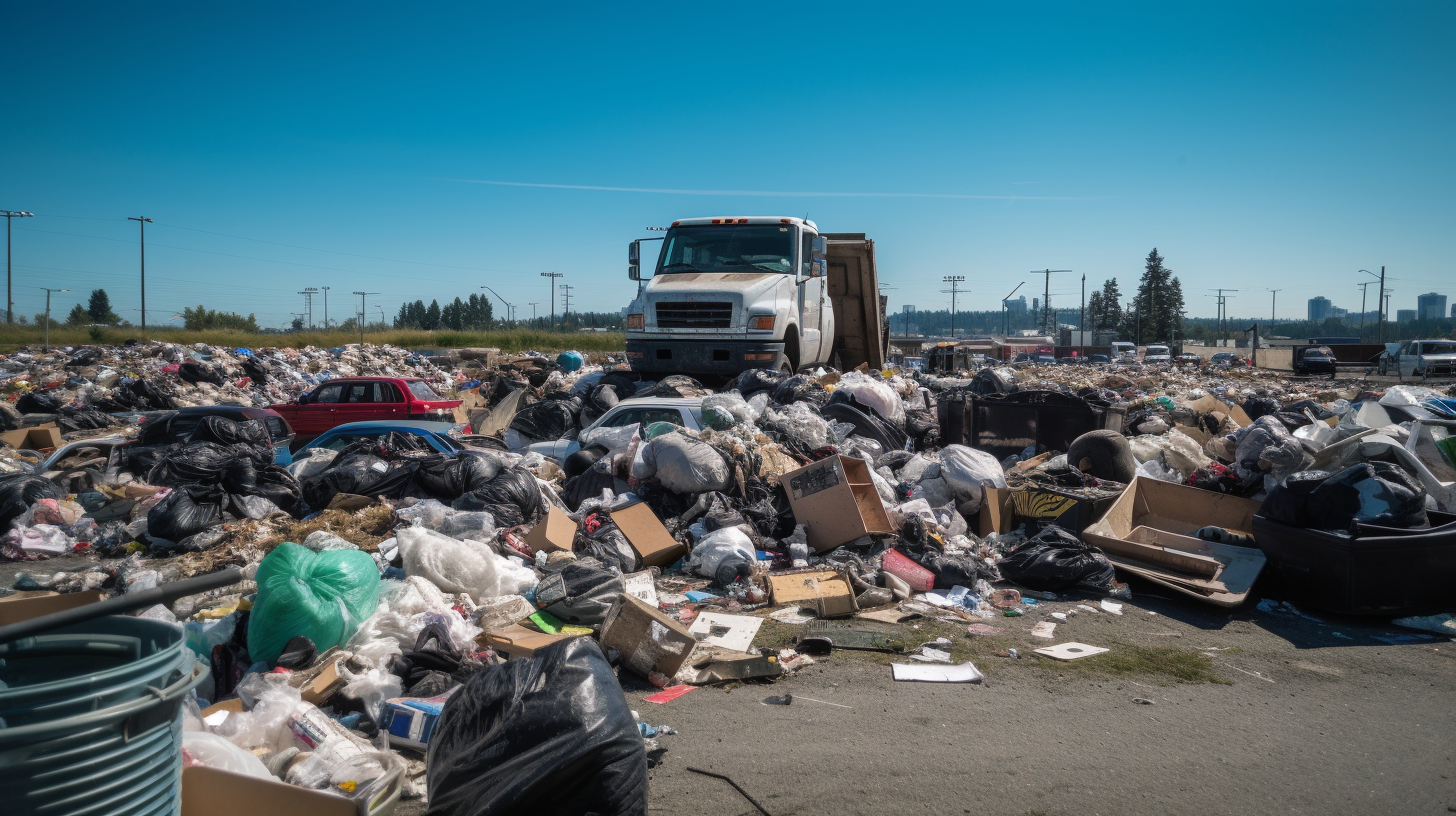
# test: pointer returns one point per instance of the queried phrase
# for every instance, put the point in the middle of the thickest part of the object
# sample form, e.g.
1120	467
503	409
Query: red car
361	399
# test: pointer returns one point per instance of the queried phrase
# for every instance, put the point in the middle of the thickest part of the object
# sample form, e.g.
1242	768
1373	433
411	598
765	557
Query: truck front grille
694	315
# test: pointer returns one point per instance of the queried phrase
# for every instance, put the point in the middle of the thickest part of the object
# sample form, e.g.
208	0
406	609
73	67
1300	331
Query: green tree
1108	312
1159	301
99	307
78	316
432	316
202	318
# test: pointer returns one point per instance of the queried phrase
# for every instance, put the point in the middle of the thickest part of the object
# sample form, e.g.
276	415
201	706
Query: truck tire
791	351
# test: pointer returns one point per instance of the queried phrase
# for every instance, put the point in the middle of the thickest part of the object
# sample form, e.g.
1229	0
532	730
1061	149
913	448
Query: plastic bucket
92	718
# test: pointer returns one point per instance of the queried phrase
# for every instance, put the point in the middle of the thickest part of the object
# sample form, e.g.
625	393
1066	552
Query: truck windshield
736	248
1428	347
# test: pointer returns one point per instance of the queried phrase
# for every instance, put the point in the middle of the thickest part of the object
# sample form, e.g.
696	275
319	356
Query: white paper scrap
931	673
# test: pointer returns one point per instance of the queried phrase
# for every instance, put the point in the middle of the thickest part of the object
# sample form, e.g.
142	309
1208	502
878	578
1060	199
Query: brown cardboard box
1149	531
996	511
827	592
836	500
17	608
211	792
40	438
517	641
319	684
554	534
648	639
649	539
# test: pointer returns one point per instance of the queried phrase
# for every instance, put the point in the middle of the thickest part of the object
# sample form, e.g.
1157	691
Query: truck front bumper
704	356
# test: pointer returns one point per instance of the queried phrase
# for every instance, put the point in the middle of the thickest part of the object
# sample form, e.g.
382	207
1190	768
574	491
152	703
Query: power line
955	281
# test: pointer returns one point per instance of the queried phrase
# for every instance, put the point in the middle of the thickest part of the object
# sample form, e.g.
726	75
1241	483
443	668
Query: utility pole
47	345
326	307
1005	326
1223	313
553	276
955	281
1382	303
1362	309
1046	297
532	304
565	302
307	293
1273	302
1082	320
364	313
9	299
143	221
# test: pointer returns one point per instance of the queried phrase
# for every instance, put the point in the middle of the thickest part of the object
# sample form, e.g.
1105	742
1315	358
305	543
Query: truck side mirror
302	399
634	261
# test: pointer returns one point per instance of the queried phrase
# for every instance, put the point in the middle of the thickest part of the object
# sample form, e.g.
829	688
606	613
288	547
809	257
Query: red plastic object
668	694
919	578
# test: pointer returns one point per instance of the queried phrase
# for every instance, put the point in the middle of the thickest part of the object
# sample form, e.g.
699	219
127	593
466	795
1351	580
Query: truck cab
1423	358
733	293
1124	349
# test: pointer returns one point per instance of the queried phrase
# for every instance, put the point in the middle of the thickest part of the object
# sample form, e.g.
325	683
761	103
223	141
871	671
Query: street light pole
509	315
553	276
1005	328
47	345
1273	303
1362	309
9	299
532	304
326	307
143	221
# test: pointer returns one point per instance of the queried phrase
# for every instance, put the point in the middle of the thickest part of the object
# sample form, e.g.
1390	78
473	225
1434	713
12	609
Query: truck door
811	303
1409	358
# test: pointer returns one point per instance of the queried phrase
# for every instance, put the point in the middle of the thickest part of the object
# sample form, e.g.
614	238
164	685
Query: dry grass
510	340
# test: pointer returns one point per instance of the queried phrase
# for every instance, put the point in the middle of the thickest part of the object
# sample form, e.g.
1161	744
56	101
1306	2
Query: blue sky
278	146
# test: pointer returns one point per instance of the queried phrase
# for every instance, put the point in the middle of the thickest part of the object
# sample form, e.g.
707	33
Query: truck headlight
634	321
762	323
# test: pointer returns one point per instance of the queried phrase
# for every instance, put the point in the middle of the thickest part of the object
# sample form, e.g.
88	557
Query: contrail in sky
774	193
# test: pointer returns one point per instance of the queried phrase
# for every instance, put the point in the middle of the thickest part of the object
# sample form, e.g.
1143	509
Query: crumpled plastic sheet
458	566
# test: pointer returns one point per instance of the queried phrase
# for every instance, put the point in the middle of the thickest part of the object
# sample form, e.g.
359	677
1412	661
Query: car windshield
1157	350
422	391
1428	347
751	247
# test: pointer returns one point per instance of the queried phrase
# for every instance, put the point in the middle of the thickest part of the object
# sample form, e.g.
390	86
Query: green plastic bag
323	596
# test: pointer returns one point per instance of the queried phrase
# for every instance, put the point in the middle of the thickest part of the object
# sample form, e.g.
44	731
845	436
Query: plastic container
94	720
1382	571
919	578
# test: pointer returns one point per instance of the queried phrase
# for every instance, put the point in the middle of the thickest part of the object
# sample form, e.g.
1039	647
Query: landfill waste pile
457	626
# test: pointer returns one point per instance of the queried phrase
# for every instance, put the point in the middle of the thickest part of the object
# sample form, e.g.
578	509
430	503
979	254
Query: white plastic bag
717	548
461	566
218	752
683	464
867	390
968	471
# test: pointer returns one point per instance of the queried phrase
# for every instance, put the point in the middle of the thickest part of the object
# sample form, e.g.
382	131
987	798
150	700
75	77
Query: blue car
435	434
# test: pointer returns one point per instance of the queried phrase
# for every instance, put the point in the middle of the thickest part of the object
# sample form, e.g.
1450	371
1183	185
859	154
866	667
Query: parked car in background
1098	359
1314	360
1122	348
1188	359
1227	359
1158	353
364	399
684	411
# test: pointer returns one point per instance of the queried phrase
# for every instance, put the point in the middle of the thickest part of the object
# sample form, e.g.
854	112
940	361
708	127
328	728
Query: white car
1157	354
684	411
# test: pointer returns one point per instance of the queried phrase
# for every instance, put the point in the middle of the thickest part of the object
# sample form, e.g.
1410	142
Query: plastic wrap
733	405
581	592
1266	447
683	464
461	566
725	555
322	596
968	472
878	395
20	490
800	422
550	735
513	497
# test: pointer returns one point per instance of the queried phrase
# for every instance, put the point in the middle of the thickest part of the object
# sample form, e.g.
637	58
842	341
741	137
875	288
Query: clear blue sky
277	146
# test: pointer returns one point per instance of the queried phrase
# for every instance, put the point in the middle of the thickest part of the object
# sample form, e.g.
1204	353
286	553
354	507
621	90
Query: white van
1122	348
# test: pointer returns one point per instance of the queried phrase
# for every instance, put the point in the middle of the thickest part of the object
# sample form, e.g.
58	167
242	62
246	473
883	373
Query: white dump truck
733	293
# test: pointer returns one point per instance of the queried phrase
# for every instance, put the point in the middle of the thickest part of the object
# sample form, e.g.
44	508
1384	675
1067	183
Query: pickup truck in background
1419	358
735	293
363	399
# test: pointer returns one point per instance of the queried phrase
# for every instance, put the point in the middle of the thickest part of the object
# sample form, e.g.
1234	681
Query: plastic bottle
798	547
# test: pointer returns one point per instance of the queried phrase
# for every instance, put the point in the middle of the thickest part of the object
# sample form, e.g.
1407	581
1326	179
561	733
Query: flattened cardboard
17	608
1152	515
40	438
516	641
827	592
835	499
996	511
646	535
647	638
553	534
211	792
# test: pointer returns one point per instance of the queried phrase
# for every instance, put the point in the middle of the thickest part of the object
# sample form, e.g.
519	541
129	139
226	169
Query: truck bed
861	333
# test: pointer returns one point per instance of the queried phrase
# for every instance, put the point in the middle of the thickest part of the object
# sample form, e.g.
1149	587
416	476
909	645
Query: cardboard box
517	641
40	438
211	792
410	721
648	538
647	638
996	511
23	607
836	501
319	684
1149	531
827	592
1069	509
555	533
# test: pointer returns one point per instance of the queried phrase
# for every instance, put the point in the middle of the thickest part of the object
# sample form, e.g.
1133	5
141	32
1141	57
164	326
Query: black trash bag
950	570
894	460
210	463
1256	407
364	474
1289	503
755	380
624	384
769	512
276	484
439	475
195	372
1379	493
85	357
588	485
187	510
583	590
545	420
580	461
150	397
83	419
799	388
923	429
599	538
599	400
224	431
18	491
257	370
1056	559
672	386
299	653
35	402
512	497
549	735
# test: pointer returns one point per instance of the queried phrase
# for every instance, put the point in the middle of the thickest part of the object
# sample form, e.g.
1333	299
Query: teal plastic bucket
90	718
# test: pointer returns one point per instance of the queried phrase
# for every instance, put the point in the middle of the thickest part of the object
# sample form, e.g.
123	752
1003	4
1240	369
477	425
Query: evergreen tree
402	319
1109	306
78	316
1159	301
99	307
432	316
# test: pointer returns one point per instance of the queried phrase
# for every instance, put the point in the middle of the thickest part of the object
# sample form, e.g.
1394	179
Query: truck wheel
791	352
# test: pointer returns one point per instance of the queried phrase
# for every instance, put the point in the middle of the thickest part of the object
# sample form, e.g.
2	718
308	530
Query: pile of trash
459	625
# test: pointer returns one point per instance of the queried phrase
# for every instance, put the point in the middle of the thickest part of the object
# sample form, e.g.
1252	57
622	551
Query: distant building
1453	311
1338	313
1405	315
1016	307
1319	309
1431	306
